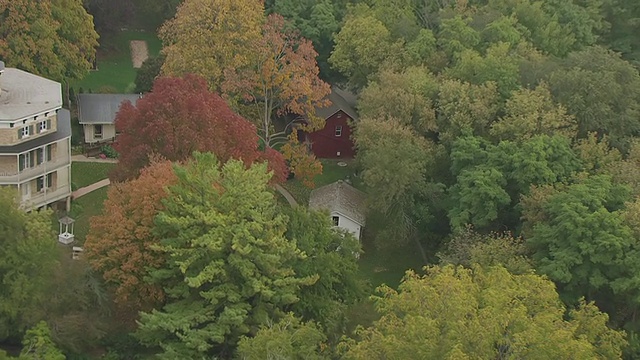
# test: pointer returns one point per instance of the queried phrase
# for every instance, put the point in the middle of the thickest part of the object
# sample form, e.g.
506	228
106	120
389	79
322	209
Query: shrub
109	151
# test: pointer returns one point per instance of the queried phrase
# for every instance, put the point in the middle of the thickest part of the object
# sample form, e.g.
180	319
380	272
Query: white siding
108	133
348	224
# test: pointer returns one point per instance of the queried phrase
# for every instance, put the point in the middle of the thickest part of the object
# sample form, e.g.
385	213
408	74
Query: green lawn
115	68
332	172
83	209
87	173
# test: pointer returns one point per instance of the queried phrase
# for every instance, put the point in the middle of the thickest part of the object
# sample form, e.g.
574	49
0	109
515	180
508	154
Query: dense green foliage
26	264
227	266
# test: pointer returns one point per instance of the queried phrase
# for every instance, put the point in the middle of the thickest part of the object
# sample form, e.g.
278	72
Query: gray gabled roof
342	198
339	100
102	108
23	94
63	130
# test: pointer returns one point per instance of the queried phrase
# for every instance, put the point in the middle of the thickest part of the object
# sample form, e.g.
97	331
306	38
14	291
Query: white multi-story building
35	138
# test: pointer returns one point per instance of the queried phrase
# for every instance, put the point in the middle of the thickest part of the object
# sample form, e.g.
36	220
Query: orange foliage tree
281	80
120	243
178	117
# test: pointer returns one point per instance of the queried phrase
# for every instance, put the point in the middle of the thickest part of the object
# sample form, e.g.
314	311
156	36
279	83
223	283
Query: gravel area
139	52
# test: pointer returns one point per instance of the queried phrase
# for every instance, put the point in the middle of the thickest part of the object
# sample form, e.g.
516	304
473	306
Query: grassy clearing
115	69
381	266
388	266
331	172
84	208
87	173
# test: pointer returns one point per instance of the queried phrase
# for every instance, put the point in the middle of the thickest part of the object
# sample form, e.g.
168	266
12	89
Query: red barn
334	140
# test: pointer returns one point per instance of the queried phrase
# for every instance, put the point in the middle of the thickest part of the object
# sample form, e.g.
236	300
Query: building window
43	154
336	220
44	182
40	183
97	131
44	125
27	160
24	132
40	156
338	131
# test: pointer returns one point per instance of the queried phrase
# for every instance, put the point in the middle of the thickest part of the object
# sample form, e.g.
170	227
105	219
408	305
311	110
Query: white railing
38	170
46	196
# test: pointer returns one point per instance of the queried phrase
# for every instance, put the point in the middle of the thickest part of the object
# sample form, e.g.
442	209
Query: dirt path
287	195
139	52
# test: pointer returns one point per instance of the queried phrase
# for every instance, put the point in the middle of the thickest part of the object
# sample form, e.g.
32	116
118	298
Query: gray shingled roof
23	94
63	130
101	108
339	100
340	197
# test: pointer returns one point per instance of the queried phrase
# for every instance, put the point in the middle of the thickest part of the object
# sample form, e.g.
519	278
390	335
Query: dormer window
24	132
44	125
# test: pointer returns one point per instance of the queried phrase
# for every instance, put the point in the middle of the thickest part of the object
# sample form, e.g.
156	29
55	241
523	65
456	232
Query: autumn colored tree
120	243
178	117
208	36
228	262
458	313
52	38
302	163
282	79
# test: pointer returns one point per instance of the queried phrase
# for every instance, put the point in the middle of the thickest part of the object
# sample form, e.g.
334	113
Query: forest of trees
499	139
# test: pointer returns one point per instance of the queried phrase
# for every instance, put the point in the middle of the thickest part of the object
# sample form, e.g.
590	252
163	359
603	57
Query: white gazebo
66	230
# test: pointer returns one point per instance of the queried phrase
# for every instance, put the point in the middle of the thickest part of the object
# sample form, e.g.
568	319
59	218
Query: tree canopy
457	313
26	264
228	264
120	243
178	117
208	36
52	38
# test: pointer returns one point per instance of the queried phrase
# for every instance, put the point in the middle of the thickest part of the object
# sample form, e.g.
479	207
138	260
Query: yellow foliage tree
208	36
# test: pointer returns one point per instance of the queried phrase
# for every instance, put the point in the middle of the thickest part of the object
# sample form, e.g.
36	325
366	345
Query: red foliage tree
178	117
120	241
